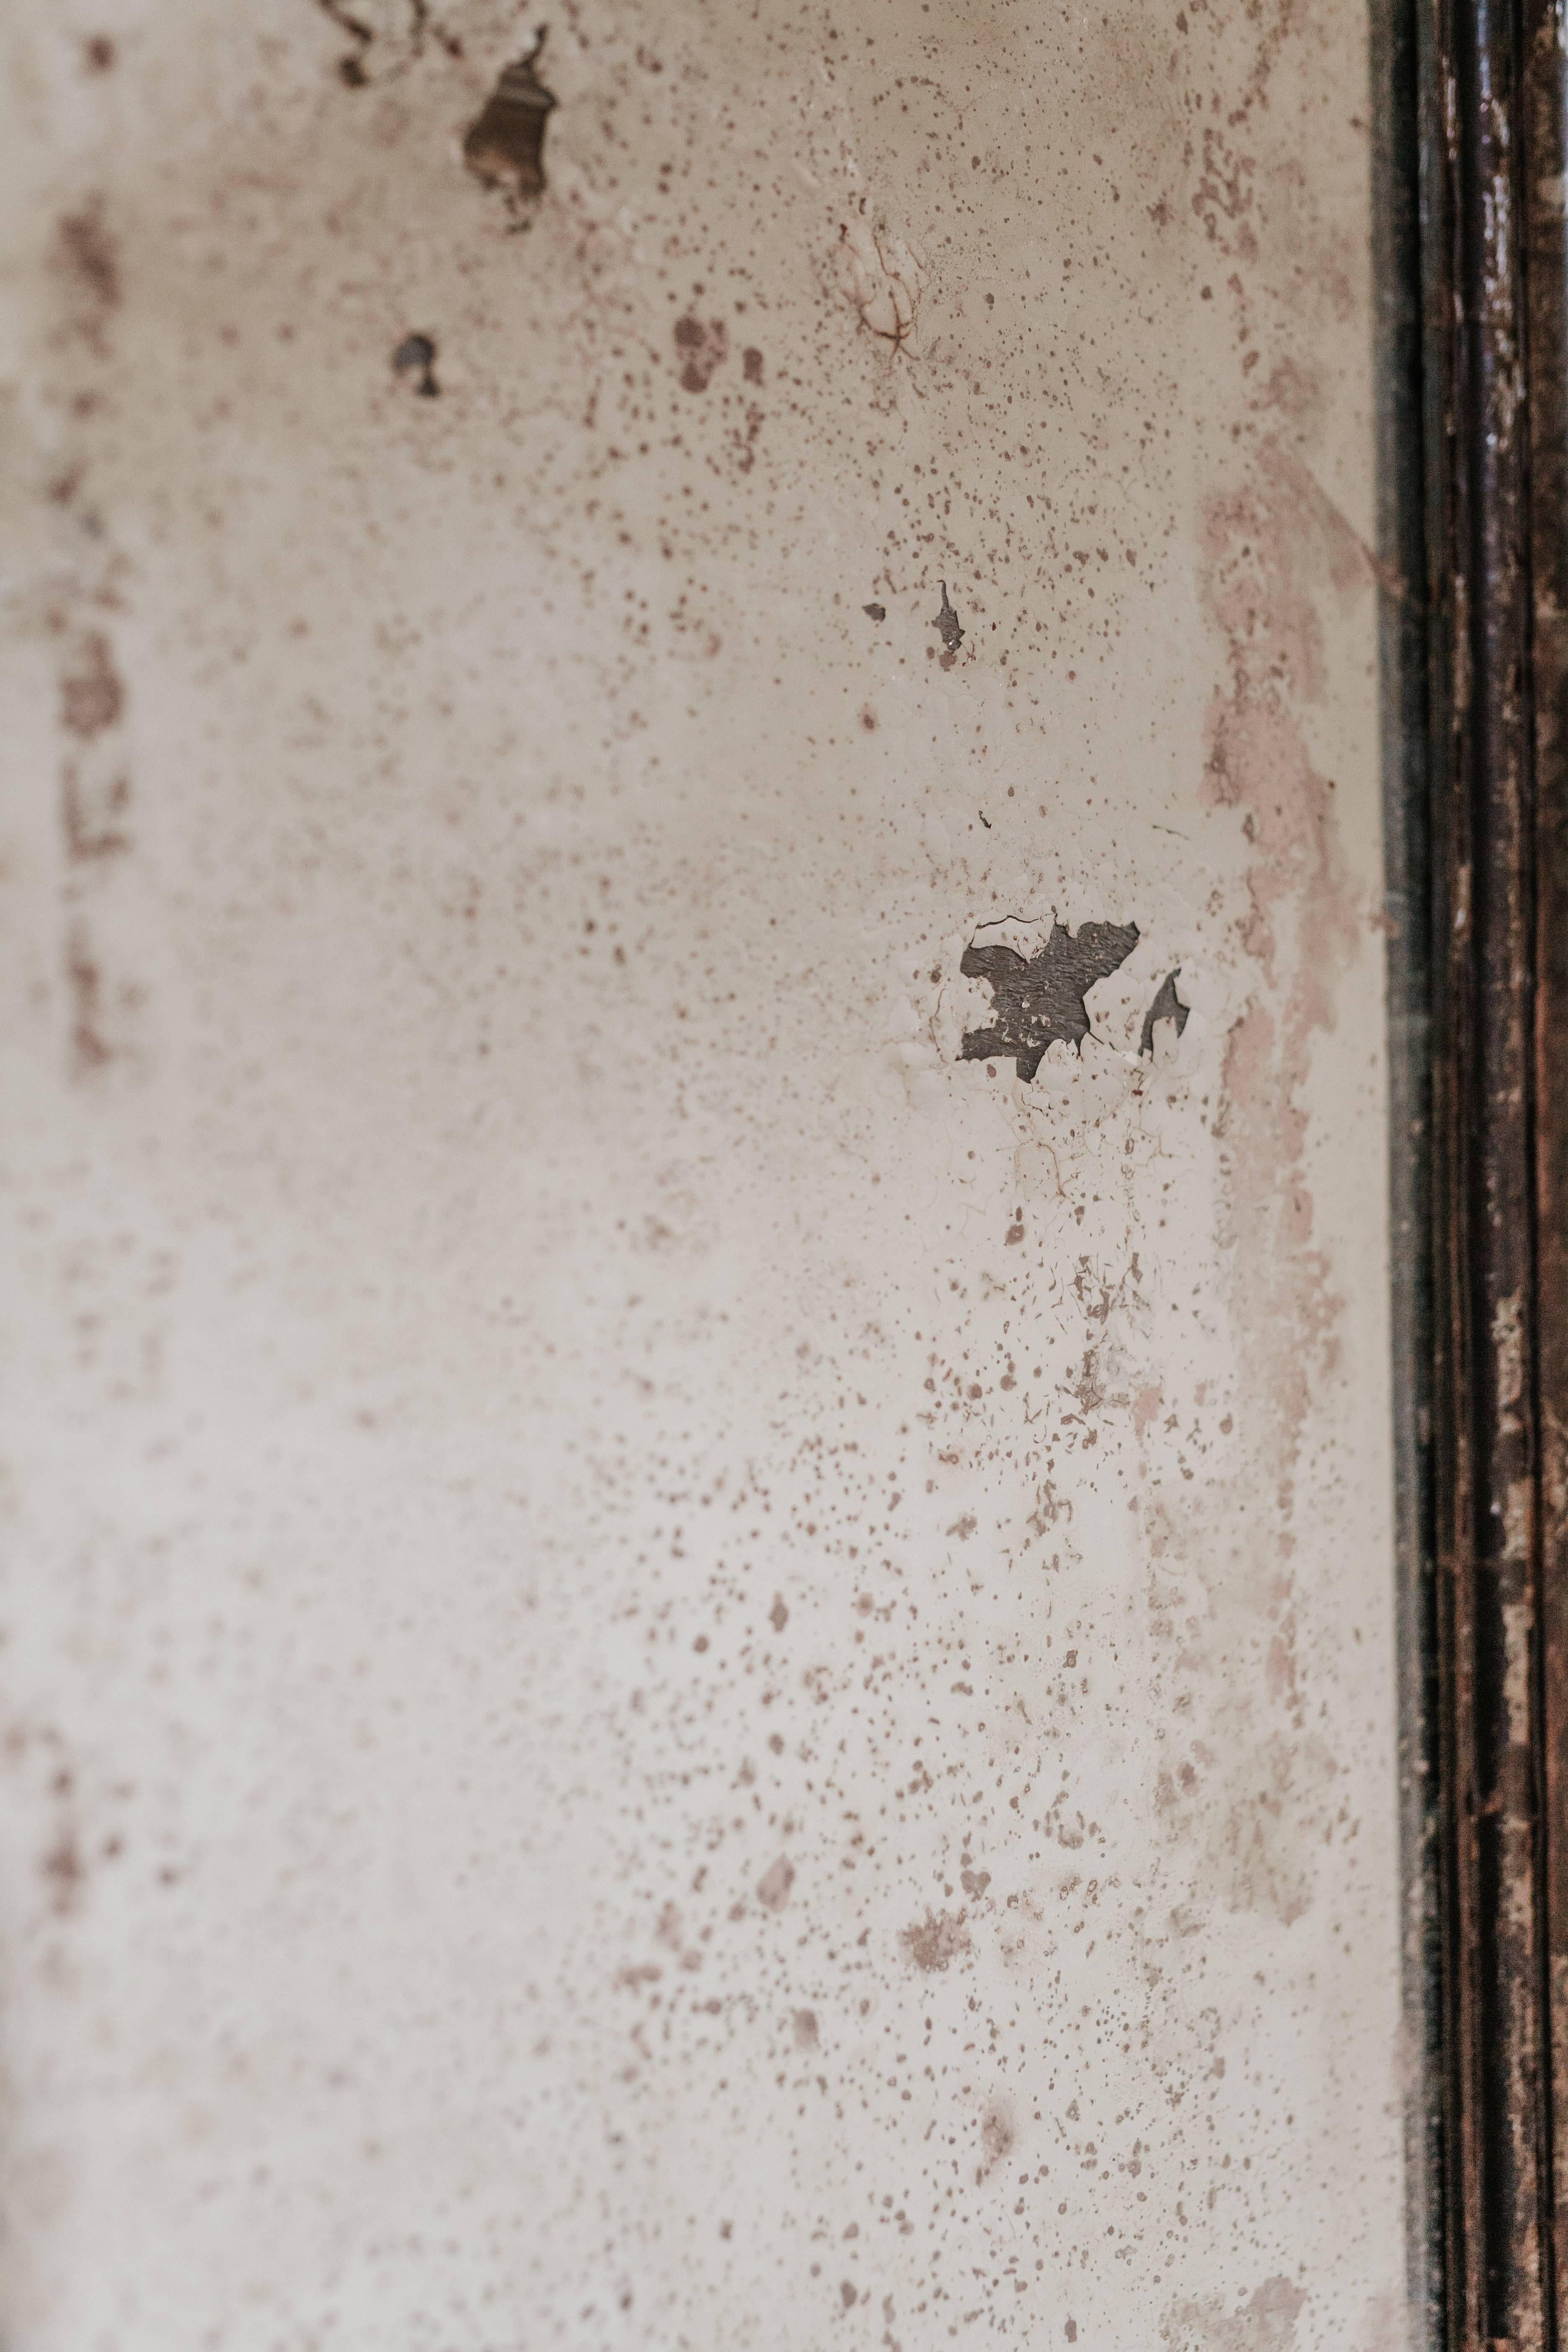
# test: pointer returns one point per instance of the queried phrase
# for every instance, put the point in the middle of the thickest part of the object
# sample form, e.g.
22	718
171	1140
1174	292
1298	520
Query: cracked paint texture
684	1666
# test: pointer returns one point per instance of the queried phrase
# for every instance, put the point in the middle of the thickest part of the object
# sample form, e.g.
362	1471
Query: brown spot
98	53
931	1942
805	2034
869	721
89	1051
92	832
631	1977
847	2292
702	348
668	1929
778	1615
89	257
92	695
63	1871
773	1887
751	364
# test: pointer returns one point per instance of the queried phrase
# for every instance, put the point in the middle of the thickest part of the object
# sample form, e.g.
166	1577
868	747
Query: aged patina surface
682	1669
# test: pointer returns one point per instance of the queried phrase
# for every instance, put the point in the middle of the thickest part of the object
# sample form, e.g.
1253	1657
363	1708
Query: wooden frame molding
1472	160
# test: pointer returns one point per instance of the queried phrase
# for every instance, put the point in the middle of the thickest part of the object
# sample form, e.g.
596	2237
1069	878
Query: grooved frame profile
1474	392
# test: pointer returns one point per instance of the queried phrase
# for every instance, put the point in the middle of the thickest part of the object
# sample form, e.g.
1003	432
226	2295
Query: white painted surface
679	1671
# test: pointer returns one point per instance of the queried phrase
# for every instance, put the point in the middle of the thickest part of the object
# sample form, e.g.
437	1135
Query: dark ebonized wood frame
1473	388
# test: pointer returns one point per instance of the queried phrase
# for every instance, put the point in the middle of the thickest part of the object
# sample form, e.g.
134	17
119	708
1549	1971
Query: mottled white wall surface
682	1668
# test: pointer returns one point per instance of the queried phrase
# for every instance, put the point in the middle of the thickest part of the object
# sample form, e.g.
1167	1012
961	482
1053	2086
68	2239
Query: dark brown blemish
351	68
1042	1000
778	1615
773	1887
751	364
505	145
847	2292
92	696
415	355
877	612
1167	1006
88	256
702	348
931	1942
98	53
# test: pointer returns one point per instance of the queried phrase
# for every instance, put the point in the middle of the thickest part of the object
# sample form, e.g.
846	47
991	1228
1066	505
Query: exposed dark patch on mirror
1041	999
1167	1006
877	612
947	624
505	145
415	355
